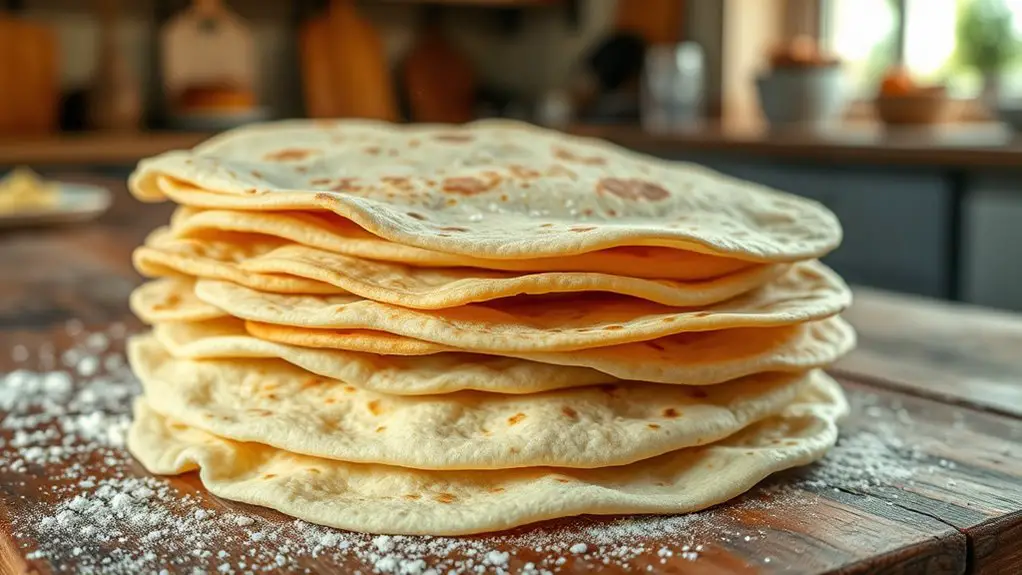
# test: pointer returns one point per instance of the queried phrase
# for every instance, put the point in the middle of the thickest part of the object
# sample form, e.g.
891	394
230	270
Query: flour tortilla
699	358
808	292
163	255
170	299
330	232
385	499
278	404
277	267
493	189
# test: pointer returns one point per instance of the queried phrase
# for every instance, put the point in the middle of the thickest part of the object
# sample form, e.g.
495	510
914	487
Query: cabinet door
992	243
896	223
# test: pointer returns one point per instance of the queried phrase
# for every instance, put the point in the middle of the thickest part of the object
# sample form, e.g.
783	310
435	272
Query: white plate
76	203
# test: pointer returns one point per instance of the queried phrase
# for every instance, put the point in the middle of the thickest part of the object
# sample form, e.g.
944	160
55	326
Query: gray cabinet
897	223
992	242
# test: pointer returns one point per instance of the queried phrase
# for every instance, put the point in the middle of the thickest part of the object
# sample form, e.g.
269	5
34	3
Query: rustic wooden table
927	477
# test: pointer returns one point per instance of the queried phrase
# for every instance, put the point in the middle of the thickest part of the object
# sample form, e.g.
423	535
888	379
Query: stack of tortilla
451	330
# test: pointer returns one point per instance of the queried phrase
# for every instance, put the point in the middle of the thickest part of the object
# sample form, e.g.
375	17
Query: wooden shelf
94	149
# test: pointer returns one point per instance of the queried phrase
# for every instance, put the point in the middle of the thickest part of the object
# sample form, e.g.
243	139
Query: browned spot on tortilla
453	137
269	475
452	202
655	346
312	382
329	401
256	174
374	407
702	314
497	490
454	229
288	155
523	172
631	189
671	413
381	428
272	396
547	225
516	418
412	496
350	388
562	480
583	229
178	426
416	216
569	411
314	470
587	212
569	156
346	185
468	185
444	235
414	143
251	191
503	197
320	181
515	451
301	169
445	497
669	319
372	150
791	442
612	213
698	394
614	327
609	389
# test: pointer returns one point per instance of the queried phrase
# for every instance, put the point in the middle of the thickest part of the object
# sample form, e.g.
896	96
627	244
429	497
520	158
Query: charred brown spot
269	475
652	426
329	401
671	413
583	229
381	428
516	418
346	185
612	213
454	229
314	471
655	346
320	181
562	480
178	426
669	319
452	202
569	412
445	497
312	382
613	327
497	490
374	407
414	143
453	137
468	186
631	189
288	155
546	225
416	216
301	169
569	156
372	150
698	394
523	172
412	496
256	174
350	388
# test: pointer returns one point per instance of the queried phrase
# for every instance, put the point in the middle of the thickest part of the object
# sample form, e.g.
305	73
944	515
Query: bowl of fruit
802	85
903	102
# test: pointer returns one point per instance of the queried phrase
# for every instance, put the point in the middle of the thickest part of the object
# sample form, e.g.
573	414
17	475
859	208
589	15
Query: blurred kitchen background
898	114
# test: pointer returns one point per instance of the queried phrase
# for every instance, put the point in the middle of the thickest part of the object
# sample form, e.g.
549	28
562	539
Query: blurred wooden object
344	66
656	21
440	81
29	77
208	58
115	98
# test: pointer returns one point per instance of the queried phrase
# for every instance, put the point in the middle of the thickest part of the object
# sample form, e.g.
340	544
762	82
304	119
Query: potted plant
986	42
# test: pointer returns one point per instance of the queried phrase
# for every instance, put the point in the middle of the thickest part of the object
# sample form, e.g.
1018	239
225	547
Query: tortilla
492	189
808	292
385	499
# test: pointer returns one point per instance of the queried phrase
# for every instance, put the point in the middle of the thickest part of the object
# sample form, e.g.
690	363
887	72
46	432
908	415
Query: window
869	35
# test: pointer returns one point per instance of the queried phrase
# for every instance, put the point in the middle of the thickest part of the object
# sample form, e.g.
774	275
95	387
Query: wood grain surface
927	476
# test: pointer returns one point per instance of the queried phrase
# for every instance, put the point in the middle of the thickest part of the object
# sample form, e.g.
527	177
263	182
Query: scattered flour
63	434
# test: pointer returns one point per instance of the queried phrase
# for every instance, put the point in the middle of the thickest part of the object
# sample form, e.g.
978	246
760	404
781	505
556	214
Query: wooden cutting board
207	46
440	81
29	77
344	66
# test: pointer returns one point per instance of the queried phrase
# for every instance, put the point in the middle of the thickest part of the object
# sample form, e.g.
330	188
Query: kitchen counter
976	146
927	477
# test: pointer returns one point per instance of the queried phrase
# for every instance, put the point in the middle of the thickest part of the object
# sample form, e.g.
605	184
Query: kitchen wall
530	61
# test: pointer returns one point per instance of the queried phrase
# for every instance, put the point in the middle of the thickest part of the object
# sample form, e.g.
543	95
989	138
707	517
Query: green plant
985	35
